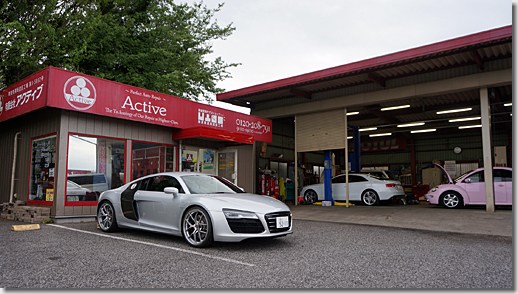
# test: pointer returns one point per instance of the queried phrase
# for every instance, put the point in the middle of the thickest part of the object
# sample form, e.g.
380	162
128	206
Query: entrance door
227	165
207	164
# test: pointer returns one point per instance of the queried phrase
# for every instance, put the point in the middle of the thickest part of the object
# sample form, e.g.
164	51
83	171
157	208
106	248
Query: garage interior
412	108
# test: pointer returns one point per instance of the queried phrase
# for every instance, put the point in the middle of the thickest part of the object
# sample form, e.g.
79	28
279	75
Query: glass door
227	165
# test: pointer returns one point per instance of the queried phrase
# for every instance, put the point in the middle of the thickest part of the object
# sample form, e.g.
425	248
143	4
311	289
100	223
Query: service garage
448	103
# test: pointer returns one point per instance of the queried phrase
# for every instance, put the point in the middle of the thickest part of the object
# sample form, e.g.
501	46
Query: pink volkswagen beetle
469	189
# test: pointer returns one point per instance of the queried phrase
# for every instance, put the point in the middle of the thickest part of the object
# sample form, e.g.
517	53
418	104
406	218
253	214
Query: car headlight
229	213
434	189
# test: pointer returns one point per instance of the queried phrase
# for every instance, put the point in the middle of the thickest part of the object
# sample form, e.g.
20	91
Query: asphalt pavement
422	216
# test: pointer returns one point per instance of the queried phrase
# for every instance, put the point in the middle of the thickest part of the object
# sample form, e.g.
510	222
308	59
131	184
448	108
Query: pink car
469	189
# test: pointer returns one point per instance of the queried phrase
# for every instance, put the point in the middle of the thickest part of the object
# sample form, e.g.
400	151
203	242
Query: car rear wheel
451	200
370	198
197	227
310	197
106	217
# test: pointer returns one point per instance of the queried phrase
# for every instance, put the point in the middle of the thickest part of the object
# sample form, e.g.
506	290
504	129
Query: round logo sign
80	93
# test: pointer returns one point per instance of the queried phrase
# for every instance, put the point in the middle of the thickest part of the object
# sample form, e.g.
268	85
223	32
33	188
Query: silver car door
157	209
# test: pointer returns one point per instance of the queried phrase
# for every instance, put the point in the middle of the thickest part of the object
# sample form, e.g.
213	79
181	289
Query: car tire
310	197
451	199
197	227
370	198
106	217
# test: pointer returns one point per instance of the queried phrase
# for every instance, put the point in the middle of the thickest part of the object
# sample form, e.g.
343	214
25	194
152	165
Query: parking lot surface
319	255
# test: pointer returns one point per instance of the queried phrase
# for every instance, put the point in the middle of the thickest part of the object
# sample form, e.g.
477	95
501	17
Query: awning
205	132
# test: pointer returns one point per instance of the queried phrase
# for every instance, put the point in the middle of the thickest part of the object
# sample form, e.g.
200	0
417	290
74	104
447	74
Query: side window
502	175
158	184
476	177
356	179
338	180
173	182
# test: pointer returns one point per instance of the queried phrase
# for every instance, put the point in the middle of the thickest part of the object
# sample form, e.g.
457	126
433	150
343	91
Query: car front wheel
197	227
370	198
106	217
310	197
451	200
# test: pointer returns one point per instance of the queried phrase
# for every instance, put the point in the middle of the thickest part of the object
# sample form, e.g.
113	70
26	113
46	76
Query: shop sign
73	91
384	145
24	96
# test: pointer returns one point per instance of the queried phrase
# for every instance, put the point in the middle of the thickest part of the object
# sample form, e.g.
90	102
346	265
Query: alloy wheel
197	228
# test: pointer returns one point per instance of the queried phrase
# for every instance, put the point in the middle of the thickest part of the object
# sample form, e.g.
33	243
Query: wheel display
310	197
370	198
451	200
106	217
197	227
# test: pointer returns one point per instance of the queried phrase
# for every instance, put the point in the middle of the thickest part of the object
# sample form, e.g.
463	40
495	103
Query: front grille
271	220
245	226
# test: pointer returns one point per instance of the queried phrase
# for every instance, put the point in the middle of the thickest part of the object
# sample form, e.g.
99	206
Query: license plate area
282	222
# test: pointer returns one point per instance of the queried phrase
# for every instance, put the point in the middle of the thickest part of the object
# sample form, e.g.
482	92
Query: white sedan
367	189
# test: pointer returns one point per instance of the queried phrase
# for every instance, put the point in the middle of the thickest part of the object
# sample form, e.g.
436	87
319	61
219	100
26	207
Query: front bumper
223	232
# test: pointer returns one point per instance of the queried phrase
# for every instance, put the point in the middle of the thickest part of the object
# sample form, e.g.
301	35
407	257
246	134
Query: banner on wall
78	92
25	96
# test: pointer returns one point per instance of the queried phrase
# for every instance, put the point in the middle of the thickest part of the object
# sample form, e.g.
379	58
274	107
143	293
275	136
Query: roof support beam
478	59
376	78
301	93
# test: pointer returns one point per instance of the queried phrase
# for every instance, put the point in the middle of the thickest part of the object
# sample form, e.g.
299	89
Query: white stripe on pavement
156	245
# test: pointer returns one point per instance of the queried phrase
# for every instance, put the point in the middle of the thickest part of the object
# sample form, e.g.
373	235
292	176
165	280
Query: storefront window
95	165
151	159
43	159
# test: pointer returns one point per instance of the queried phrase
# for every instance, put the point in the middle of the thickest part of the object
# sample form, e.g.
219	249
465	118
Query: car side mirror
171	190
468	180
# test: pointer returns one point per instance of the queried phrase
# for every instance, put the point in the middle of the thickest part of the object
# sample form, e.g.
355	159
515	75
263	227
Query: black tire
106	217
310	197
197	227
370	198
451	199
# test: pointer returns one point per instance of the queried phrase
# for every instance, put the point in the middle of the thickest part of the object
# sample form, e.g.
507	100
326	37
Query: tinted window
337	180
158	183
502	175
477	177
355	179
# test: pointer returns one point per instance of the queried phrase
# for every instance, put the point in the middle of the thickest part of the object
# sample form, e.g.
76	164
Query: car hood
249	202
450	181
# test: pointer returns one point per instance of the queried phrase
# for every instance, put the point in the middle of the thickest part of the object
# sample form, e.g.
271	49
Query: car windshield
206	184
461	176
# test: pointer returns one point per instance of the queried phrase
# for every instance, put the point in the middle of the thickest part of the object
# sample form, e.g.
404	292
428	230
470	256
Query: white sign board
449	166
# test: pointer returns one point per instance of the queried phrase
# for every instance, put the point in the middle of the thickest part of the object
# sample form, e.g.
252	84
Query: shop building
449	101
66	137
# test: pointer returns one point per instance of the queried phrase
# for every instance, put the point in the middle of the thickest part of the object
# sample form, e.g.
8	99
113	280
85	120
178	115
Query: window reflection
94	165
151	159
42	169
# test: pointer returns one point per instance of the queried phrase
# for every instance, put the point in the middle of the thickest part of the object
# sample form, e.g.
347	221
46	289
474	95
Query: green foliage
153	44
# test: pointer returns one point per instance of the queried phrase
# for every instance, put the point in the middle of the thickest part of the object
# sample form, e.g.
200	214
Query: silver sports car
200	207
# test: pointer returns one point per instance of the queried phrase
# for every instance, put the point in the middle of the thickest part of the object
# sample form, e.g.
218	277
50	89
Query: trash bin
290	191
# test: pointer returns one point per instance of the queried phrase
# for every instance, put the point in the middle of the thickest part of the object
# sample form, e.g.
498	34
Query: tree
153	44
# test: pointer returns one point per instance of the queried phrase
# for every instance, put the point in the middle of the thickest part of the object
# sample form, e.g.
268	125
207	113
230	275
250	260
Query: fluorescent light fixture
454	110
411	124
379	135
508	104
368	129
469	127
464	119
353	113
395	107
349	137
423	131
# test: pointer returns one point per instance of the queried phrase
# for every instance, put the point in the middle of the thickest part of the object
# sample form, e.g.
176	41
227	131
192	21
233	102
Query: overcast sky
276	39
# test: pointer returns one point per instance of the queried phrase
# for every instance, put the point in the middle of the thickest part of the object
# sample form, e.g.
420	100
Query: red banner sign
24	96
78	92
